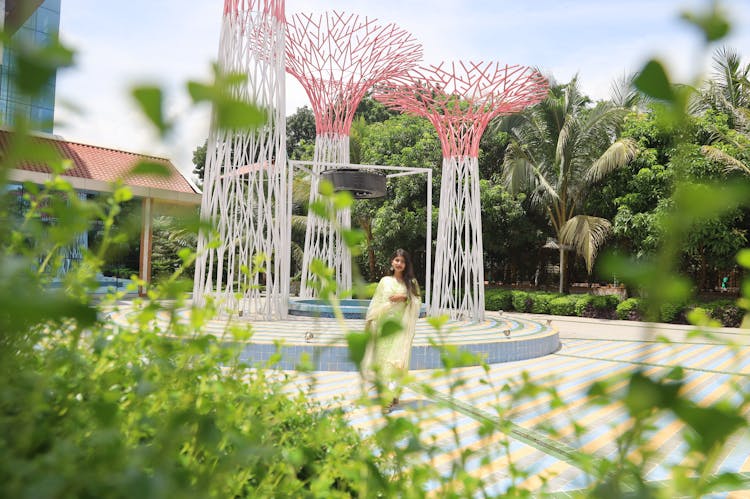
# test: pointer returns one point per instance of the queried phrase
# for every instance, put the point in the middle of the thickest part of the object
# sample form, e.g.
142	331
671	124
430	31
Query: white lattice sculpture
460	99
246	184
337	58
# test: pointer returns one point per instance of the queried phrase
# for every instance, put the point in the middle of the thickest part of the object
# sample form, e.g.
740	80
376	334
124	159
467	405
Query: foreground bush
135	414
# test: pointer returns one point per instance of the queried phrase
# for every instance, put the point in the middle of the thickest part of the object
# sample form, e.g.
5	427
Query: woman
397	299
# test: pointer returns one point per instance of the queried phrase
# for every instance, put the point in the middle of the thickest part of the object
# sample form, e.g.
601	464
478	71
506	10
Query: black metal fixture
361	183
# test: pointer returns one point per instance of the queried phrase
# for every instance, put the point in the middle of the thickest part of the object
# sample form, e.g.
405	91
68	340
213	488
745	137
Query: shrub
563	305
540	302
522	301
725	311
498	299
673	313
630	309
132	422
581	303
597	306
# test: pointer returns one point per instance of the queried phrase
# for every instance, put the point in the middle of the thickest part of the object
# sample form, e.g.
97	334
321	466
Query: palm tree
728	91
558	150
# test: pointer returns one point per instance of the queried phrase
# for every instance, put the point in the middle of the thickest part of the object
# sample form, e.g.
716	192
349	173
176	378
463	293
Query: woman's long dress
389	355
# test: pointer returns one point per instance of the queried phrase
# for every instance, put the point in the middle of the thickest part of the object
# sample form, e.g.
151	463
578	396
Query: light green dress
390	355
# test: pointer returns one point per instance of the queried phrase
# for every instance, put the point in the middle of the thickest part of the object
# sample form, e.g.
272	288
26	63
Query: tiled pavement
591	350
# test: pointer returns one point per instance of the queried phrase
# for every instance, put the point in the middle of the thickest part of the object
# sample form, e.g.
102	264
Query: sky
170	42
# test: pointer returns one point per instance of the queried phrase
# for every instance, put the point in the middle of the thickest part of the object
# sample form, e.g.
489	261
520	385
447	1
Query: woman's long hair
412	287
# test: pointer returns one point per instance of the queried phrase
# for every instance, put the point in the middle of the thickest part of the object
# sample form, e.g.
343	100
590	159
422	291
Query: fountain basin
351	309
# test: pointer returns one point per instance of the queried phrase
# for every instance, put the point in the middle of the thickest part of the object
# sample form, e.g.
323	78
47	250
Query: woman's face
398	264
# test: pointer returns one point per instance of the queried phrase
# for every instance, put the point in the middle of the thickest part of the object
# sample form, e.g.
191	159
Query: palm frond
624	94
522	173
298	255
730	162
586	234
562	149
518	172
545	193
619	154
299	224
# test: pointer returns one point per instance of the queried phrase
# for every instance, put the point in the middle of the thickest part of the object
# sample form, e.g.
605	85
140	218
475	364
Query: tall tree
300	133
400	140
199	162
558	150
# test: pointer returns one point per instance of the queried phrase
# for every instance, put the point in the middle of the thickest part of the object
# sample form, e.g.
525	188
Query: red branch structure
338	57
461	98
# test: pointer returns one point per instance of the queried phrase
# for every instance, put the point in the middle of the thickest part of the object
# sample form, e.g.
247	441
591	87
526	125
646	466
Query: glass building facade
42	24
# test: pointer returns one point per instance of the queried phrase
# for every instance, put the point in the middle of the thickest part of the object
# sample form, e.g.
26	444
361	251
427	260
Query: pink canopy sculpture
460	99
337	58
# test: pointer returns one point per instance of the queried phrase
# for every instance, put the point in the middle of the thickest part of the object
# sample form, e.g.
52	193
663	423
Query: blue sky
169	42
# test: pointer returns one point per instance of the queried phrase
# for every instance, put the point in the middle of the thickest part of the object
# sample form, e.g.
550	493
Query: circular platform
498	338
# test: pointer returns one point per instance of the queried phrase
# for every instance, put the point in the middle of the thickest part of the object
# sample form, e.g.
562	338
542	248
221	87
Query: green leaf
233	114
713	24
145	167
390	327
151	101
677	373
342	200
713	424
727	481
352	237
27	149
743	258
320	208
357	345
185	254
438	321
654	82
36	65
200	92
325	188
597	389
122	194
645	394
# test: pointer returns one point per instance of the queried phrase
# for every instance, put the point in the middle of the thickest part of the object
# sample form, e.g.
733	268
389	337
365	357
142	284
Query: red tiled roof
104	164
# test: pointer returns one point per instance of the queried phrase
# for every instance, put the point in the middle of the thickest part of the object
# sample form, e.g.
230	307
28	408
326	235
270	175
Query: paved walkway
591	350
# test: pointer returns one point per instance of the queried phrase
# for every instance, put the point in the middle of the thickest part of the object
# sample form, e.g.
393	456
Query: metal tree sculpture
246	184
460	99
337	57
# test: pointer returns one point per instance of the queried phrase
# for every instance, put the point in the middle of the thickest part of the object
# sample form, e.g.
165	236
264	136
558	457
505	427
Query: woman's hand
397	298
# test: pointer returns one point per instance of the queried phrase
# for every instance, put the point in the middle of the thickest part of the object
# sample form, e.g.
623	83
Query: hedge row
604	306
